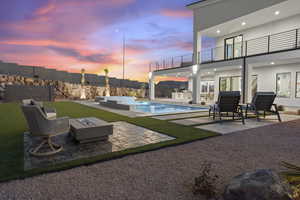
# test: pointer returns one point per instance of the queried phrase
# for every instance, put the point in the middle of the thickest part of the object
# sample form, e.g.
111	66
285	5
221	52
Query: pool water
159	108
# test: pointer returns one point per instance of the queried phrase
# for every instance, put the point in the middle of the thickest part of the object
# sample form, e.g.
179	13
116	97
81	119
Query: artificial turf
13	125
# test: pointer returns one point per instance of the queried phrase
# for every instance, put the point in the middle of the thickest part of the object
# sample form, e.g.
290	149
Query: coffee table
90	129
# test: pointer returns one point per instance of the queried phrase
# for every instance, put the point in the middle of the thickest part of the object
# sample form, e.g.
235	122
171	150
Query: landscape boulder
263	184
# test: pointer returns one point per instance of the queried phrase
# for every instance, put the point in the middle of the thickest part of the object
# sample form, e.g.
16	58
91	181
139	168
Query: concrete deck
235	126
180	116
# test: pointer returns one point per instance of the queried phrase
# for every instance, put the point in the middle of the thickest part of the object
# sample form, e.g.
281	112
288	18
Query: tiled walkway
180	116
234	126
194	121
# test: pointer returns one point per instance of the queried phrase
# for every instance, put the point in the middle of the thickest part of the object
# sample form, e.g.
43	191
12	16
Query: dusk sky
74	34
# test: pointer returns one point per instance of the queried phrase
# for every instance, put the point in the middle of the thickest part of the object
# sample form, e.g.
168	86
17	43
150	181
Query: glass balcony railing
288	40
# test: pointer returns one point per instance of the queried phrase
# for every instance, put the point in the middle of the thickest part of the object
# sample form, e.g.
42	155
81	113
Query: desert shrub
292	176
206	183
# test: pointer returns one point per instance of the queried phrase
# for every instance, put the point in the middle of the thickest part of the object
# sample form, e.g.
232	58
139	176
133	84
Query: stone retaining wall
64	90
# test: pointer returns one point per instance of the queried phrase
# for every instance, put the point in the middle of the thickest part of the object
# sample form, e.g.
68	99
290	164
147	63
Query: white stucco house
255	47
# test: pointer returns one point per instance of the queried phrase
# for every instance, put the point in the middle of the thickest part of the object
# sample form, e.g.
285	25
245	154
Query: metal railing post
269	39
296	38
246	48
172	62
212	54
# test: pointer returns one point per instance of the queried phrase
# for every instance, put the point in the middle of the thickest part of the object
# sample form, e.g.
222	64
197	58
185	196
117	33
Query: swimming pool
159	108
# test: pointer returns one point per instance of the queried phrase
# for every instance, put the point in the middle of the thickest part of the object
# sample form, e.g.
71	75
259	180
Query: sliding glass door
232	83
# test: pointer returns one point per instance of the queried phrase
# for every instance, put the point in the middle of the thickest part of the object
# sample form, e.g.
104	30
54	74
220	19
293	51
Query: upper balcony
284	41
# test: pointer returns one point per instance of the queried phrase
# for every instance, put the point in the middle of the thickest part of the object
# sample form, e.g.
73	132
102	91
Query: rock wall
64	90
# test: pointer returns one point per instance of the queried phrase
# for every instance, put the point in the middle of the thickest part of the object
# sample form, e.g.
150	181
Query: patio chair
41	126
49	112
228	102
263	102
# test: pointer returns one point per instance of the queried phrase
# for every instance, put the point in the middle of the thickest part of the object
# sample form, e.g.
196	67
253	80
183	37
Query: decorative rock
262	184
69	90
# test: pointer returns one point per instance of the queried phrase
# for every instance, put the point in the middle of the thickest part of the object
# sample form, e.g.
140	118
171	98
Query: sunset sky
74	34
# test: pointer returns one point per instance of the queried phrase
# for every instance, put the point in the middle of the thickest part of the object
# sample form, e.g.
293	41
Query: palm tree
107	93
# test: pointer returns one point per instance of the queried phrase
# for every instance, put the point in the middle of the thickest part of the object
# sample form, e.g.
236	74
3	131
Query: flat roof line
196	3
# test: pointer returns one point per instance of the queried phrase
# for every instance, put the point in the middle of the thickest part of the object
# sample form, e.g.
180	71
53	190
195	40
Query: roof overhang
201	3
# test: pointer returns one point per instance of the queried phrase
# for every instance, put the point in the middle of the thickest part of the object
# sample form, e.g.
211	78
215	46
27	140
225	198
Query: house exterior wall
267	81
283	25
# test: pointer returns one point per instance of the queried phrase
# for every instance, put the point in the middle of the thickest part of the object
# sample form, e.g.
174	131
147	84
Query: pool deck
133	114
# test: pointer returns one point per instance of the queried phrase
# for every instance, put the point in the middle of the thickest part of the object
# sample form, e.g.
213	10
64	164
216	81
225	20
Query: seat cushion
51	115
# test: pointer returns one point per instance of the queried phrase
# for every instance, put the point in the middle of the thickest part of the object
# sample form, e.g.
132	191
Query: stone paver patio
179	116
125	136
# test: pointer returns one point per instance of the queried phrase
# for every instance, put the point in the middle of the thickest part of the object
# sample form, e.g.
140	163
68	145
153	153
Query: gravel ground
168	173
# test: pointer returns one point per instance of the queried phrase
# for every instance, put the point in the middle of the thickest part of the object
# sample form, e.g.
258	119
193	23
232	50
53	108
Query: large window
232	83
298	85
283	85
233	47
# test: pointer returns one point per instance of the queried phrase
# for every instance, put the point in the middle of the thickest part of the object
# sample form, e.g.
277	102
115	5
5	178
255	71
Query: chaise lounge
228	102
263	102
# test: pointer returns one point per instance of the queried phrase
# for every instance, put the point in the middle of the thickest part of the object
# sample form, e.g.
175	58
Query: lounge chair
228	102
41	126
263	102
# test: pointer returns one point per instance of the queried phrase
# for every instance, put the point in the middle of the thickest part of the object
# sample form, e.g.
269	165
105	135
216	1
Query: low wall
64	90
15	93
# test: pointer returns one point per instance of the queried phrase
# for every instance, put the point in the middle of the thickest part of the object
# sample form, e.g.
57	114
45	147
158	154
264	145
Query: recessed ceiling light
277	12
218	31
208	72
272	63
243	23
215	70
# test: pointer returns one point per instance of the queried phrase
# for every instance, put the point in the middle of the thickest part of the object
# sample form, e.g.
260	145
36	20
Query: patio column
196	84
151	86
246	83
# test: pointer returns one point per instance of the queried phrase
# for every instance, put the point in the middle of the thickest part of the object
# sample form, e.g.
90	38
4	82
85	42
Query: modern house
254	46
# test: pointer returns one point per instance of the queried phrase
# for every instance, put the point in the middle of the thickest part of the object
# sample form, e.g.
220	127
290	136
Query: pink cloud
176	13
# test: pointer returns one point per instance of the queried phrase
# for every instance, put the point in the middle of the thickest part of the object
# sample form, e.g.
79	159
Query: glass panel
236	83
298	85
225	84
283	85
238	45
207	90
204	87
254	85
211	86
229	48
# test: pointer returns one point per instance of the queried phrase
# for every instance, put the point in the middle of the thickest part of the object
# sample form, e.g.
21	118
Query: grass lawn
13	125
